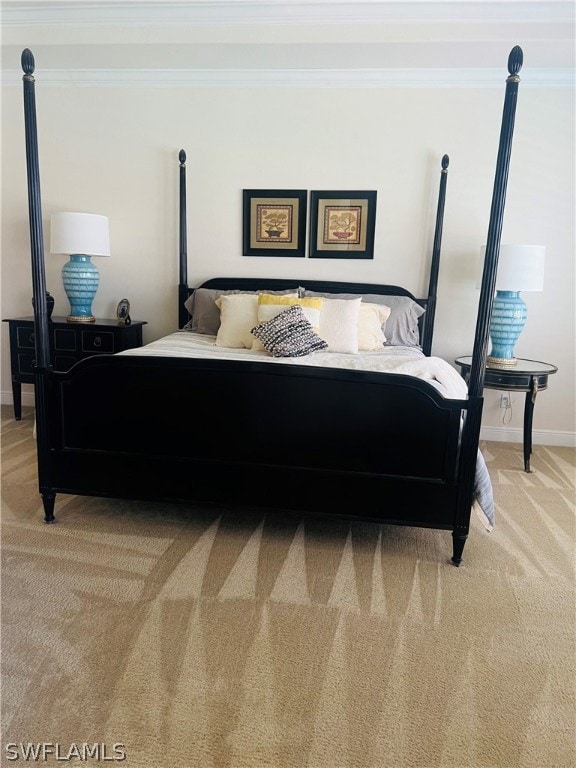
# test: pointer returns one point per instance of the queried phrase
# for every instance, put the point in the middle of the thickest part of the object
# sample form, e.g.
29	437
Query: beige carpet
208	638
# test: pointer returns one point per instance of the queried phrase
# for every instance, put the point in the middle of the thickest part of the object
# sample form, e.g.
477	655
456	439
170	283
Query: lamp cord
507	415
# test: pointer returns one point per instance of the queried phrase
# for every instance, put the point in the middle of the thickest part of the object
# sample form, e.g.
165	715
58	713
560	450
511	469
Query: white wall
114	151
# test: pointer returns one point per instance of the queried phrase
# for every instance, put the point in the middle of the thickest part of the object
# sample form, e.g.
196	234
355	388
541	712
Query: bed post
435	264
42	337
183	246
471	433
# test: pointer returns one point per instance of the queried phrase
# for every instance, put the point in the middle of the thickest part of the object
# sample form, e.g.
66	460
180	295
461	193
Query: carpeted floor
183	637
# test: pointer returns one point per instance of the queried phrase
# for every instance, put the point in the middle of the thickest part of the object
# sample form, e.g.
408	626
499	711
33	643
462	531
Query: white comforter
404	360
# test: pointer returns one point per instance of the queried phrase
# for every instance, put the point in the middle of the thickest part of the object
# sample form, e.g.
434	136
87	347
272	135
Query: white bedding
403	360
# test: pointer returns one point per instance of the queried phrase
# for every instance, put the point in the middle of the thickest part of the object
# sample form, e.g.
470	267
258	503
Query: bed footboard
371	446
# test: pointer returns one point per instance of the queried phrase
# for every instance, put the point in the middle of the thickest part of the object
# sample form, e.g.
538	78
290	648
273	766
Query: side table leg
17	398
528	416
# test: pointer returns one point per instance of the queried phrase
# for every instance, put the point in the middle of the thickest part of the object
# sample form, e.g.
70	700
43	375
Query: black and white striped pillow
289	334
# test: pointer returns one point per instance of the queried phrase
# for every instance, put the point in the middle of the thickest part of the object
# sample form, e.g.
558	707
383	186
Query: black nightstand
69	343
528	376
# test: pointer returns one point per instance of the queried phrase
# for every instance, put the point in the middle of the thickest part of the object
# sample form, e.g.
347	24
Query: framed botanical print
274	222
342	225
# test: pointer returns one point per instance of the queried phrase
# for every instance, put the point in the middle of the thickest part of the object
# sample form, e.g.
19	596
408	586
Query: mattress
409	361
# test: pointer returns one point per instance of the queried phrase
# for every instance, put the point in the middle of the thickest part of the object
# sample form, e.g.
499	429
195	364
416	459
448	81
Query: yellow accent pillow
270	305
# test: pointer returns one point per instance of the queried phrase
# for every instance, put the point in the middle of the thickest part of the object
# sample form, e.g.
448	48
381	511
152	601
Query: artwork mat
342	224
265	209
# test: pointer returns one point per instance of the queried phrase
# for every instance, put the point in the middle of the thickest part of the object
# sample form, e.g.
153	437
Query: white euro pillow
339	324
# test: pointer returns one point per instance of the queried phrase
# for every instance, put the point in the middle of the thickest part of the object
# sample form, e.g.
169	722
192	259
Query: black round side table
528	376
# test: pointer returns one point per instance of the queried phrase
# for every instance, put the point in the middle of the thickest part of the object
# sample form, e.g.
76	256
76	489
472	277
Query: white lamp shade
79	233
520	267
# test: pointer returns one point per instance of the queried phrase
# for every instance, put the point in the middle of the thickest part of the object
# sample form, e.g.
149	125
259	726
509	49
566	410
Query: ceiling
367	43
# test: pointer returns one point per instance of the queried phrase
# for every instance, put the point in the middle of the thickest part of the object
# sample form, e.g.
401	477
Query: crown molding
74	13
300	78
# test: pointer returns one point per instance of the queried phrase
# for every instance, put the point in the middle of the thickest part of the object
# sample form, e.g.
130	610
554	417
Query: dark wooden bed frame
378	447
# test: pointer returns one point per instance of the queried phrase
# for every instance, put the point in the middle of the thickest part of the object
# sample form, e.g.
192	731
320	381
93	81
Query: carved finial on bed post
182	157
27	60
515	61
445	163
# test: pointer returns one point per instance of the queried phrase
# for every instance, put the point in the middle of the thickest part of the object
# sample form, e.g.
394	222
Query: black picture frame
274	222
342	224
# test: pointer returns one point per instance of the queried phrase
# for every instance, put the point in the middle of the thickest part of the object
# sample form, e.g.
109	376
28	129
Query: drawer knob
97	341
33	337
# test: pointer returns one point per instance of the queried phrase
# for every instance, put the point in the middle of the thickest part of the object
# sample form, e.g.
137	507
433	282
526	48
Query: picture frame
123	312
342	224
274	222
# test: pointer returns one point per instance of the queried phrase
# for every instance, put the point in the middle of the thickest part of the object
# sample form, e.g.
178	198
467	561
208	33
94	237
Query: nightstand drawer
25	337
499	380
25	363
97	341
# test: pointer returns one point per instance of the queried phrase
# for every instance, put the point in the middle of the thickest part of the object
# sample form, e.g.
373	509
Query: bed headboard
425	323
321	286
327	286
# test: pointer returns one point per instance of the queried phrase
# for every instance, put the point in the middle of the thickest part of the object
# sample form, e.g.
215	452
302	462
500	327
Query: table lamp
520	268
80	235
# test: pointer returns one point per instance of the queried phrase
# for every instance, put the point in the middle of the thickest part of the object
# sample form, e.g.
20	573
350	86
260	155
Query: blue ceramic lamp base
80	278
508	320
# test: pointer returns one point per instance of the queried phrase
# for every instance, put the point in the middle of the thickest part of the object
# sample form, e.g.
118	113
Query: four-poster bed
364	444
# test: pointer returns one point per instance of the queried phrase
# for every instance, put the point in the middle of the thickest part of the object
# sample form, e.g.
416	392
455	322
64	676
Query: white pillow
371	321
339	324
238	315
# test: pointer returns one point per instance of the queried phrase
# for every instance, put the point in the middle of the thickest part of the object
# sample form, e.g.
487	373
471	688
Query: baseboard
498	434
7	399
539	436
